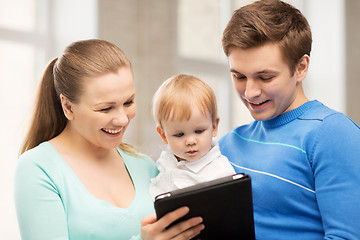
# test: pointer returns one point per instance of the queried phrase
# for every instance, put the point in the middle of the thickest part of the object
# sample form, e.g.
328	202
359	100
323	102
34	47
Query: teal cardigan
52	203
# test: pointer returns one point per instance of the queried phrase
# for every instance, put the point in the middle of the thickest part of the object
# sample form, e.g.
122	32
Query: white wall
24	53
326	80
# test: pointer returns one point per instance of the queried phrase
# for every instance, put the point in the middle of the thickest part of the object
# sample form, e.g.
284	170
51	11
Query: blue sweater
305	169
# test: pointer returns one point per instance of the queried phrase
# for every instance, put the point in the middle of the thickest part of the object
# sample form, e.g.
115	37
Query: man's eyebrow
266	71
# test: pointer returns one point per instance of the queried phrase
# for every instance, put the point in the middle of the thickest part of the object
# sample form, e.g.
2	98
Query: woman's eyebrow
104	103
131	97
234	71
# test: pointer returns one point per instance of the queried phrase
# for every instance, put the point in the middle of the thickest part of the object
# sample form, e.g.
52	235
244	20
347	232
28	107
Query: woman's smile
113	132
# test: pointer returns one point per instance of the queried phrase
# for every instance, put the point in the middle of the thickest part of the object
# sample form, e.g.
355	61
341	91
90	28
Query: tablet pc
224	204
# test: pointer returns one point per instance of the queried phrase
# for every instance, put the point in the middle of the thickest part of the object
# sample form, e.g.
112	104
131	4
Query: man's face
264	82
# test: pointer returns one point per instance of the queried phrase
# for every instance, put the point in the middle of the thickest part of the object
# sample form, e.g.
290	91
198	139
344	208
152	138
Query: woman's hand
156	230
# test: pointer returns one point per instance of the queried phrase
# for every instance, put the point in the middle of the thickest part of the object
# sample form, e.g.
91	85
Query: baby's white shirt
176	175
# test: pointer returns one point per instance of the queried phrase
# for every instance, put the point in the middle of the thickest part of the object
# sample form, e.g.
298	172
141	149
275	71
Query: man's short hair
269	21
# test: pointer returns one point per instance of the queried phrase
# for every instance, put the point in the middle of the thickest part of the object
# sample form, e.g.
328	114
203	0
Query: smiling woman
76	179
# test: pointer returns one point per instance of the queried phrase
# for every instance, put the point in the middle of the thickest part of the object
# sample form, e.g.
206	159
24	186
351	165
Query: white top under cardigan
175	175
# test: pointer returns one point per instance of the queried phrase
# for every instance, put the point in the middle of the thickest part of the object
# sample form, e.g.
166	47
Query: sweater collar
289	116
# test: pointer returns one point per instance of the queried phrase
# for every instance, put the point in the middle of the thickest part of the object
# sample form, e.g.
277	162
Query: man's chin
260	117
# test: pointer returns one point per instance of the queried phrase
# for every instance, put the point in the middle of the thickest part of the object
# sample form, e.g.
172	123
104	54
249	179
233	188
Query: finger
190	233
186	229
172	216
148	219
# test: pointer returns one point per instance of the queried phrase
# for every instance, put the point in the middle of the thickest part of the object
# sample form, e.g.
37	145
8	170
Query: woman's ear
67	107
161	132
302	67
215	126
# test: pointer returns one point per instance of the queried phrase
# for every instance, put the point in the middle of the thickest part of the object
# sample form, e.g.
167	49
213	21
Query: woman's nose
121	118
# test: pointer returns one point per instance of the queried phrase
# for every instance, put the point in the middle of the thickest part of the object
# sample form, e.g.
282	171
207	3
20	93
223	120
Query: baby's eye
178	135
199	131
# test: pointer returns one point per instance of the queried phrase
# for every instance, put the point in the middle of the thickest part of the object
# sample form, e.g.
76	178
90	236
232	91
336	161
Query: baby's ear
161	132
215	126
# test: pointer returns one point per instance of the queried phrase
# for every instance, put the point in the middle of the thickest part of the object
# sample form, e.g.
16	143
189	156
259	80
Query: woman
76	179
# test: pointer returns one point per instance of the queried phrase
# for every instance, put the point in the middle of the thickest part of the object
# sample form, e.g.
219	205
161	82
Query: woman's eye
238	76
105	109
199	131
129	103
179	135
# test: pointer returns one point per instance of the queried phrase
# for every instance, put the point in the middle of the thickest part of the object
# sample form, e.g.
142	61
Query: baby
185	110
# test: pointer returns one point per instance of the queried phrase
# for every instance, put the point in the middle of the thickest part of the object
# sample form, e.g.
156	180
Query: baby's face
190	139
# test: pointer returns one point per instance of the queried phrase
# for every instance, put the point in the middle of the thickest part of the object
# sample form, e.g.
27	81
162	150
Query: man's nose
252	89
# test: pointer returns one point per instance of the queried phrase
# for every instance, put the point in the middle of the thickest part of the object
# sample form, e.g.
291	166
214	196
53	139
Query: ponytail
48	120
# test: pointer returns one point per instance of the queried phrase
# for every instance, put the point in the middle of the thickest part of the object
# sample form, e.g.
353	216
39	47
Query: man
303	157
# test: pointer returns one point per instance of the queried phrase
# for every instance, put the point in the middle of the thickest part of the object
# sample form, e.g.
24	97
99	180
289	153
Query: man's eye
179	135
199	131
266	78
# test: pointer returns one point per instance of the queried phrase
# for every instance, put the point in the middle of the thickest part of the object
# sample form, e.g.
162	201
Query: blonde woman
76	179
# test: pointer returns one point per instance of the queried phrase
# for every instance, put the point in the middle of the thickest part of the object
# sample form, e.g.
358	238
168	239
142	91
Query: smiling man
303	157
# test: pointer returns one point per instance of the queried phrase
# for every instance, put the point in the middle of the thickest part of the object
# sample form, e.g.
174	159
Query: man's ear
161	132
67	107
215	126
302	67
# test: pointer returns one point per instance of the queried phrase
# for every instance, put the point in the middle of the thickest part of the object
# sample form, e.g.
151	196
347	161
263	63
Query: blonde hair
65	75
177	96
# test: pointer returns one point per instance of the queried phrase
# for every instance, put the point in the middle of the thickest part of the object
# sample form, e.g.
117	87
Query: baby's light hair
179	94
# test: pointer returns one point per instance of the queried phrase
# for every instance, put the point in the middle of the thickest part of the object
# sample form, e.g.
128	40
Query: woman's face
105	108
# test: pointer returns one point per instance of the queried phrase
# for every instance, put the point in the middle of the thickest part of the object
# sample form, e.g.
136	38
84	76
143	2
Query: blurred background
161	38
